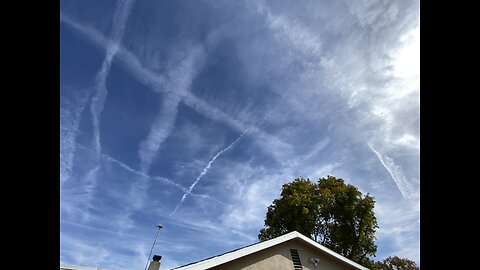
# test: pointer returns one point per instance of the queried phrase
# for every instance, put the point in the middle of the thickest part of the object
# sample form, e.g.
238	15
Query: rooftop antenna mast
159	226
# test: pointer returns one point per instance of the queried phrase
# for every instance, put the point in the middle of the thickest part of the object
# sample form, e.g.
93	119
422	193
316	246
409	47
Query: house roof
247	250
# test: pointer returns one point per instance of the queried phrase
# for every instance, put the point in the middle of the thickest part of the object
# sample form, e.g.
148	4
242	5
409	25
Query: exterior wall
278	258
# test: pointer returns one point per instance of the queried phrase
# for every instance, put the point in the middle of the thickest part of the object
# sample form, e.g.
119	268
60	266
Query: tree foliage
396	263
331	212
294	211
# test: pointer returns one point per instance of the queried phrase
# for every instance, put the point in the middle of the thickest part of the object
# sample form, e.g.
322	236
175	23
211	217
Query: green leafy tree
296	210
396	263
335	214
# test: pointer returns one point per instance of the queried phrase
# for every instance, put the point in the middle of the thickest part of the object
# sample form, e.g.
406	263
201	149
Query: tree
396	263
296	210
335	214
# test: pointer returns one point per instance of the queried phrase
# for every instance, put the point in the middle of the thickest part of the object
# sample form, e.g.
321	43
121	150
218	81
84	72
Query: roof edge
330	252
236	254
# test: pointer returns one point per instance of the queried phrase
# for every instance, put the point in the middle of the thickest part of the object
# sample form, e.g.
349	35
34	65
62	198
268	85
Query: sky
193	114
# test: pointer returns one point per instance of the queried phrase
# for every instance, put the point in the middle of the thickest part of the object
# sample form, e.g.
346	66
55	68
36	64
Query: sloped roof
244	251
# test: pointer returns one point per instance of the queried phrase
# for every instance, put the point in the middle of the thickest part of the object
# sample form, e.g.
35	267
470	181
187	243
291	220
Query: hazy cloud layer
155	96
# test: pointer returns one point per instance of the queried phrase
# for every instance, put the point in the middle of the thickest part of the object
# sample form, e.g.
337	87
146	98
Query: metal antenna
159	226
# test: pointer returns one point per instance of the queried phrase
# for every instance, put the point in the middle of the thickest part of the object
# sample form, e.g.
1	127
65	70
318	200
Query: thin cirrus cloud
323	88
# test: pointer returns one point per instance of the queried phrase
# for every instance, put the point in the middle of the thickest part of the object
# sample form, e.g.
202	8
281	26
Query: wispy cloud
115	233
252	187
131	62
295	35
81	252
178	85
272	145
399	229
148	176
96	107
70	112
160	130
204	171
394	171
290	74
78	200
100	95
73	103
248	198
277	147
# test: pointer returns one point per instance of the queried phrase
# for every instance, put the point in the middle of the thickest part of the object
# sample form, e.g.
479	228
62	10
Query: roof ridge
255	247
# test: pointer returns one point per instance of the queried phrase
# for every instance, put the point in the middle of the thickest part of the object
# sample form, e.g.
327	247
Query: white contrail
159	132
69	124
147	176
261	138
89	186
205	196
317	148
98	100
394	171
179	82
158	83
277	147
291	32
102	229
204	171
139	173
96	107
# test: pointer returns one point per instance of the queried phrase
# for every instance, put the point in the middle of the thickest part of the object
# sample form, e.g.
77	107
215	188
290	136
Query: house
292	251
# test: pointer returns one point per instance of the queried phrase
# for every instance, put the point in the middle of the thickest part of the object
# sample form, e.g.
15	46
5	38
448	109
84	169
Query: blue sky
194	113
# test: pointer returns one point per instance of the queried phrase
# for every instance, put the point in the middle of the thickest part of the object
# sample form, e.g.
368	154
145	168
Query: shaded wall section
278	257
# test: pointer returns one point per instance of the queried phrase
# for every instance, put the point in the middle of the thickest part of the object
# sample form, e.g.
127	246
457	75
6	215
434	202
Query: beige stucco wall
278	258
